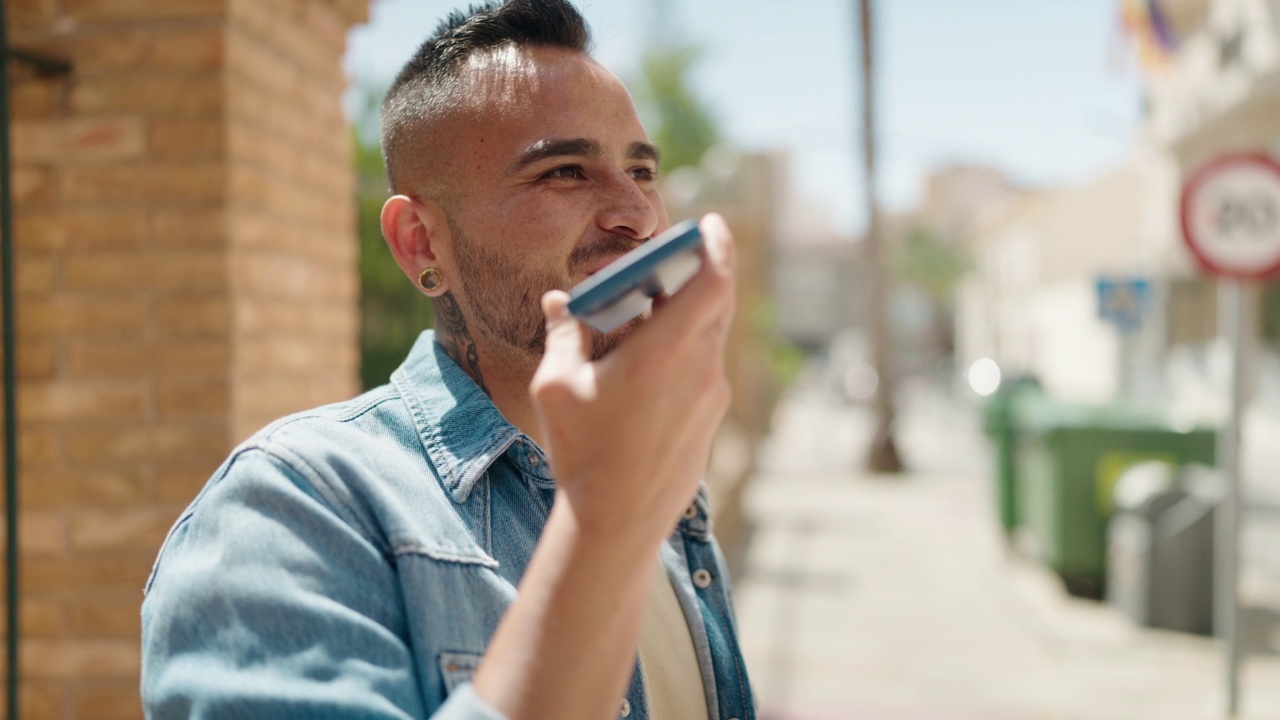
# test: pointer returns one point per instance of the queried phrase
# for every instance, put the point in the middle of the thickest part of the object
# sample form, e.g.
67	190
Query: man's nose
627	210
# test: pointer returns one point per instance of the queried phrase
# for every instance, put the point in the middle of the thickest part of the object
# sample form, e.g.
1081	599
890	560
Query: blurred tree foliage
685	128
933	266
392	311
927	262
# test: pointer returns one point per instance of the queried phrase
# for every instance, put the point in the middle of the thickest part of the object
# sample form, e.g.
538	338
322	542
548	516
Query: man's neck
504	379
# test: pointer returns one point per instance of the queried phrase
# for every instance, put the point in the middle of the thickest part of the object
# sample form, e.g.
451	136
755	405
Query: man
362	559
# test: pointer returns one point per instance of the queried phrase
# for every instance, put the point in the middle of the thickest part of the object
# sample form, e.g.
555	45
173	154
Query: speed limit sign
1231	216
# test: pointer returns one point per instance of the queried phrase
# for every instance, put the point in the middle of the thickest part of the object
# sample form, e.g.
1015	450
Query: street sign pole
1230	213
1233	316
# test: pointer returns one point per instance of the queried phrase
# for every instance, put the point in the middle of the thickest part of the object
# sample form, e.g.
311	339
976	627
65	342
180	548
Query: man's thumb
566	337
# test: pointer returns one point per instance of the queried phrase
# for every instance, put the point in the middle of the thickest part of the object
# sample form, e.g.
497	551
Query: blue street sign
1123	301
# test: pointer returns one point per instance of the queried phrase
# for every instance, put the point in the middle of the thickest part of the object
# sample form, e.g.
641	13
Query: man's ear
413	231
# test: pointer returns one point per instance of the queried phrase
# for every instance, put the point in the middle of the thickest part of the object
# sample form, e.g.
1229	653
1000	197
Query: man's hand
630	435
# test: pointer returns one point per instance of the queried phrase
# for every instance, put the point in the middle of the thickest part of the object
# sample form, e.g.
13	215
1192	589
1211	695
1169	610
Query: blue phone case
625	288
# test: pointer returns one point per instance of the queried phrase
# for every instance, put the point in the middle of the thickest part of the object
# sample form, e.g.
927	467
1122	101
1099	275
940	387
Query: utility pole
882	456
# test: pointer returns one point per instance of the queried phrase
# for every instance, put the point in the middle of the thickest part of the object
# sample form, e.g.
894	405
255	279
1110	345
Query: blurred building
1216	91
1212	78
186	271
928	255
818	286
1031	303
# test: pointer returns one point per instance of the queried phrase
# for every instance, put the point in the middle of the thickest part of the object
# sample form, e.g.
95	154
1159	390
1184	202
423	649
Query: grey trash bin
1160	546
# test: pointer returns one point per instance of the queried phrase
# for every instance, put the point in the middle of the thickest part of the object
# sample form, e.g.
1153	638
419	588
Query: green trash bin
1002	429
1067	461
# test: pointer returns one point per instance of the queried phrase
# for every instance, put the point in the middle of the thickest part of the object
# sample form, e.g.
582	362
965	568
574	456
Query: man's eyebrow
554	147
644	151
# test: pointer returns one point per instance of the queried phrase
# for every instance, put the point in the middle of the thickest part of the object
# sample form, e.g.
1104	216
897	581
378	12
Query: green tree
685	128
931	264
392	311
935	267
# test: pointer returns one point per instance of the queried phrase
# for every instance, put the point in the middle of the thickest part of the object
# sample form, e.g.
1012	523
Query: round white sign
1231	216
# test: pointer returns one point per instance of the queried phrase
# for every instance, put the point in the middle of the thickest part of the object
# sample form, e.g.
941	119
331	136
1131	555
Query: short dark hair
422	88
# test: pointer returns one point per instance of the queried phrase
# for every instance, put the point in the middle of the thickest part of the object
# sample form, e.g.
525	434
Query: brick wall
186	272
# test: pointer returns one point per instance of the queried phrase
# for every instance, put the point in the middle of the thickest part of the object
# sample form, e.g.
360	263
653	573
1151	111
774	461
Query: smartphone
626	287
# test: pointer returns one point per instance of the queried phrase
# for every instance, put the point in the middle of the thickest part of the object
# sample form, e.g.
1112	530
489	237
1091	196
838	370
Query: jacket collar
461	429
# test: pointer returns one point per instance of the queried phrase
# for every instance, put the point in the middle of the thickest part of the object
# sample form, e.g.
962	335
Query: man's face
550	177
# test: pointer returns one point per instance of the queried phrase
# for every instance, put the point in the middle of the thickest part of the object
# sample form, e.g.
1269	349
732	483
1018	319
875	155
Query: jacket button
626	707
691	512
701	578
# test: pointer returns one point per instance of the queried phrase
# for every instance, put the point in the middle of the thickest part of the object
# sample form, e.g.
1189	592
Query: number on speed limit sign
1231	216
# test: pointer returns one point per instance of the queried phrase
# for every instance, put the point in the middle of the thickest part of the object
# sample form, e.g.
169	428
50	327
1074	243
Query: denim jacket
353	561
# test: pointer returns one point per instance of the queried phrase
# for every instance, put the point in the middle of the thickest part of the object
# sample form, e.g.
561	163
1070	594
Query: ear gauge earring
430	279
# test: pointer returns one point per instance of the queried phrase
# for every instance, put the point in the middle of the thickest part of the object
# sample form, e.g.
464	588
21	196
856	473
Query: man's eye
645	174
573	172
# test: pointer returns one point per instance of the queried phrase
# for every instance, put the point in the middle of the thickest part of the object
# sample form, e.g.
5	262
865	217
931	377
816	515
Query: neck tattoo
454	336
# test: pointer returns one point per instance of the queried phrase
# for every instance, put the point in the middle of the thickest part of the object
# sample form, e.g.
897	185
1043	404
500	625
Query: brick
89	139
99	445
274	274
174	440
42	532
94	447
326	22
88	576
187	399
110	51
65	229
83	400
178	483
43	618
149	94
81	659
190	227
36	447
37	13
104	138
110	358
190	271
187	138
34	184
255	317
45	699
108	701
192	358
92	488
152	182
85	316
185	317
251	145
133	50
94	618
36	360
185	358
37	98
201	48
135	10
279	353
36	276
132	529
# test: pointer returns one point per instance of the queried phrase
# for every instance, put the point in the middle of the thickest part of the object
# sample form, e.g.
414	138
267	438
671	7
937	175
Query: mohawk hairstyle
423	87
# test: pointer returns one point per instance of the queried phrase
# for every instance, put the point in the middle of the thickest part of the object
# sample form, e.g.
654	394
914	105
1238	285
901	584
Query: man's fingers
718	240
566	339
706	302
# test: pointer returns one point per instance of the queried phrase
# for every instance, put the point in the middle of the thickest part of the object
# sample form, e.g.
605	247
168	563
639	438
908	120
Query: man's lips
602	264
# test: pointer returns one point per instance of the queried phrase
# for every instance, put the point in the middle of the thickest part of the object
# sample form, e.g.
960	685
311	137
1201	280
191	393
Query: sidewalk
894	598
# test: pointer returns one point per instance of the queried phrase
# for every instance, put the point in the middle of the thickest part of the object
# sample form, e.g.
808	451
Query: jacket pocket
457	668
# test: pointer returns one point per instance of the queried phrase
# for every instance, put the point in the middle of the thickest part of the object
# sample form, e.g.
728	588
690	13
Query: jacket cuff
464	704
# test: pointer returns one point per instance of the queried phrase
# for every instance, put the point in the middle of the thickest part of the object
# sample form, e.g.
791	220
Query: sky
1043	89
